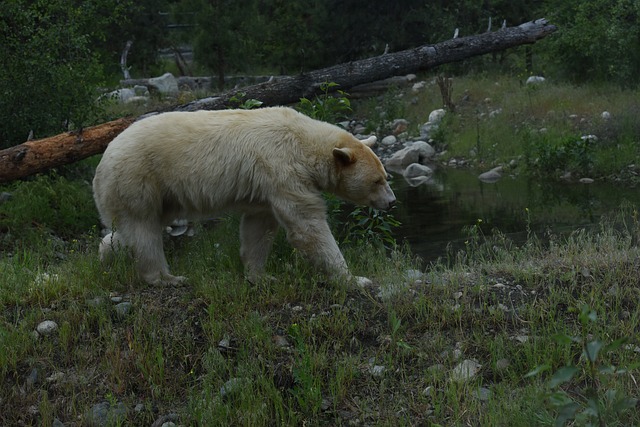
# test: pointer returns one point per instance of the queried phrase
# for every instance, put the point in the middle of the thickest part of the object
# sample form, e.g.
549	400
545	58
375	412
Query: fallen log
36	156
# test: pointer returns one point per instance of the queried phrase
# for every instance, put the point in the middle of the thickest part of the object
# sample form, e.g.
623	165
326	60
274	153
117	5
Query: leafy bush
594	403
48	69
325	106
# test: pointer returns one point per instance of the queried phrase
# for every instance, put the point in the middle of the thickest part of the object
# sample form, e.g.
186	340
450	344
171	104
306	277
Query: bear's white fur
271	164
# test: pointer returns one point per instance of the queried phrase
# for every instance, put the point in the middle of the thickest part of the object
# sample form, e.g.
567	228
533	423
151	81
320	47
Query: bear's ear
369	142
344	155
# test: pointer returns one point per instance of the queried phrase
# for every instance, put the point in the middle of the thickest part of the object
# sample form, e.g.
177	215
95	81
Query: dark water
434	216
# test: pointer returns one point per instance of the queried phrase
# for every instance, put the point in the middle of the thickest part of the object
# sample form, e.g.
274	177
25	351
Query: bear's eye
379	182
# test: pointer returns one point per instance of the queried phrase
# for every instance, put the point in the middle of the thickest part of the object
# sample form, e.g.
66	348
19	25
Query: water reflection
434	215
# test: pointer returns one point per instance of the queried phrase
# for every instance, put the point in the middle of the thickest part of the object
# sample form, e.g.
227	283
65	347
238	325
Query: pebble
389	140
123	308
4	197
103	414
47	327
465	370
232	387
377	370
482	393
502	364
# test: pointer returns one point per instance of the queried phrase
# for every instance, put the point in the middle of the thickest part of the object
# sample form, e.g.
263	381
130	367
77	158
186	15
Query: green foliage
46	207
546	155
326	107
597	41
368	226
48	71
595	403
238	101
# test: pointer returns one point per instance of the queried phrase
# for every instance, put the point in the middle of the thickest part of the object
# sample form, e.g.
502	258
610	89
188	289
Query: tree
48	72
600	40
36	156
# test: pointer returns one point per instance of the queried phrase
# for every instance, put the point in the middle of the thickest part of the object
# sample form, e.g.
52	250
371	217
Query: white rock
605	115
586	180
417	87
47	327
389	140
425	151
535	80
436	116
165	84
465	370
491	176
416	170
378	370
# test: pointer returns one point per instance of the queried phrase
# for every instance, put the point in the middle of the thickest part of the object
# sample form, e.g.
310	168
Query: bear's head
361	177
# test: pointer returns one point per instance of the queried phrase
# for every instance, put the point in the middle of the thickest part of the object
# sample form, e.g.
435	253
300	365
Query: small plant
592	403
238	101
326	107
368	225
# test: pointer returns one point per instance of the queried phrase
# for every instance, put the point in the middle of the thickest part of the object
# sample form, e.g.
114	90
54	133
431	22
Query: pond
434	216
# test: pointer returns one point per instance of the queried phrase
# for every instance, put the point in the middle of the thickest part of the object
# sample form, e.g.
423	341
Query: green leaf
566	413
562	375
537	371
560	399
625	403
564	339
616	344
592	349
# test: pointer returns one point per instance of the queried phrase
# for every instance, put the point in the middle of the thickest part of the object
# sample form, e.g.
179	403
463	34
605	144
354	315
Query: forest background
56	56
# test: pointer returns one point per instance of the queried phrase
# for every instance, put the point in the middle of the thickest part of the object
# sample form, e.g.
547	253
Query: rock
605	115
165	84
465	370
491	176
233	387
389	140
377	370
95	302
123	308
586	180
141	90
103	414
427	129
57	423
436	116
116	299
281	341
416	170
532	80
402	158
121	95
589	138
32	379
399	126
414	275
47	327
502	364
417	87
425	151
5	197
482	393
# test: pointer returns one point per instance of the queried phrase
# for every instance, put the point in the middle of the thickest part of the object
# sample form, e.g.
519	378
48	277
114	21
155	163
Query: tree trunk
36	156
39	155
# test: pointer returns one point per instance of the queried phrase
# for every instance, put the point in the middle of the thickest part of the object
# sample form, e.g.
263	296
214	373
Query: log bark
36	156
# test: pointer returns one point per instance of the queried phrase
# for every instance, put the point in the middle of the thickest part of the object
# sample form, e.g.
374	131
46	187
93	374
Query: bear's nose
392	203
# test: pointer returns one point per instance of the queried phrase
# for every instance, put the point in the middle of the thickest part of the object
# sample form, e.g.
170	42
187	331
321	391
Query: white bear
270	164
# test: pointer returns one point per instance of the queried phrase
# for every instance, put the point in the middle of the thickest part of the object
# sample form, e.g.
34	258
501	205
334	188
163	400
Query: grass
299	350
499	119
302	351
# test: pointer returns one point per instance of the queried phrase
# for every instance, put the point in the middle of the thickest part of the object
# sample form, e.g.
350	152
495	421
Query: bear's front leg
257	232
311	235
145	237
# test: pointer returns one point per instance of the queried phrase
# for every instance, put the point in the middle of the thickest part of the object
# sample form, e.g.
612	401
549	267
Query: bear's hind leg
257	232
145	237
